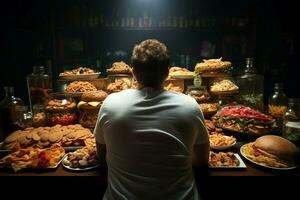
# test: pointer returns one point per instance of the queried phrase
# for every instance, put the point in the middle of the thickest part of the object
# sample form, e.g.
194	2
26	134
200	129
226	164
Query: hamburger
92	100
89	107
272	151
214	68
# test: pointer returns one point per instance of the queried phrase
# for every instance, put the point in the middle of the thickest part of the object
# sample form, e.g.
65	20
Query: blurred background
65	34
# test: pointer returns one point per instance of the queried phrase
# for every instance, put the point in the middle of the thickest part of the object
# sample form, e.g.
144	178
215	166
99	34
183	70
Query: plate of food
180	73
225	160
223	87
80	76
119	68
208	109
214	68
221	142
33	158
243	119
271	152
79	73
82	159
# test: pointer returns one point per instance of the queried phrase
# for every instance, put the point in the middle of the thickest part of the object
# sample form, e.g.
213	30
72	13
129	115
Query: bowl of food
221	142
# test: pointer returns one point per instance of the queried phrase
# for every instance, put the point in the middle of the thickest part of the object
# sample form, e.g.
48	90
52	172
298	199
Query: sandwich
214	68
272	151
244	119
89	107
92	100
178	71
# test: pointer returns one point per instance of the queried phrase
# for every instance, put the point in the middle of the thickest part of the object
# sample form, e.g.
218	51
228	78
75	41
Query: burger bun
277	146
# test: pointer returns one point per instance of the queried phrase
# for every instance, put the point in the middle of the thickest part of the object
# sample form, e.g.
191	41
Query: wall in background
64	34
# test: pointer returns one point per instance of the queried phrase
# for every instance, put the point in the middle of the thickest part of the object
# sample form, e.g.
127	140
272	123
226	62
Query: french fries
263	160
221	140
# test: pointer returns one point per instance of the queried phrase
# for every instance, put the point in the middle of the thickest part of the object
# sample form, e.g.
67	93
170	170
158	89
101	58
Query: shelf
208	30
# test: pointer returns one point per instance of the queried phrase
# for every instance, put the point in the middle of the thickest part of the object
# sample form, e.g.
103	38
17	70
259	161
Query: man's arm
101	152
201	154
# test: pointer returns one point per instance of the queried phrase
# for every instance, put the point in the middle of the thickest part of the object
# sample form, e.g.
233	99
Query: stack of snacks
71	135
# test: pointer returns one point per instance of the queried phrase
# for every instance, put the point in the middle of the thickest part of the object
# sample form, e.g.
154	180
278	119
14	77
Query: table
212	183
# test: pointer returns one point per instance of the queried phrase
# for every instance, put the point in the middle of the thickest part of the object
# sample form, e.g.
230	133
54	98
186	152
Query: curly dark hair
151	60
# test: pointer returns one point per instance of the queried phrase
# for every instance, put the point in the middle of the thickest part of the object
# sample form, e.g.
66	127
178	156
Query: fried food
118	85
277	111
119	68
221	140
33	158
223	159
80	86
78	71
208	108
173	87
212	129
224	85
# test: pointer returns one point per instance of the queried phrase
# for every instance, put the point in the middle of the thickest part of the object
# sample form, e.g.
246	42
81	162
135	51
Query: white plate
80	76
268	167
222	147
78	169
241	166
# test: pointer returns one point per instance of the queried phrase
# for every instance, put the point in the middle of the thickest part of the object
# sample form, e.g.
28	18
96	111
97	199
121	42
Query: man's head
150	61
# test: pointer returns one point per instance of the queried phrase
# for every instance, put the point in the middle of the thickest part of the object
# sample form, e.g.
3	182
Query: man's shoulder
122	93
182	97
119	97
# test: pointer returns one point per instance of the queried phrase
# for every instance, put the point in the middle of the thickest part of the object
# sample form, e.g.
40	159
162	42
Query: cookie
13	136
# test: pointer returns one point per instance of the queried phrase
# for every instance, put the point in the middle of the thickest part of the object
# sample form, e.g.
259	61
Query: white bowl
222	147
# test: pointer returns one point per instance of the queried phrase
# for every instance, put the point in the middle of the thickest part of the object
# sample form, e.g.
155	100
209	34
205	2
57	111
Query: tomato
63	119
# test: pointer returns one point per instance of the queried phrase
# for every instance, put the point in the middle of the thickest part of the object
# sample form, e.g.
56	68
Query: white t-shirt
149	136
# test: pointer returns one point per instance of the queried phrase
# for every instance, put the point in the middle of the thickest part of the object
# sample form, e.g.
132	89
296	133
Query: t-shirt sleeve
100	125
201	133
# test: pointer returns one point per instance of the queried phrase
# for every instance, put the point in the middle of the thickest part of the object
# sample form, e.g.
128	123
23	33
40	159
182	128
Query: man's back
149	136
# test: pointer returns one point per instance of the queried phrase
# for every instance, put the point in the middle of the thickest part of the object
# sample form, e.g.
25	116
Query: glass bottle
251	87
277	104
291	122
23	117
39	86
7	110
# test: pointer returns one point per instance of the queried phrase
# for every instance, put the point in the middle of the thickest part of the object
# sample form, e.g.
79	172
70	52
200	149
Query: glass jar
291	122
39	116
39	86
200	93
61	109
197	80
23	117
7	111
251	87
277	105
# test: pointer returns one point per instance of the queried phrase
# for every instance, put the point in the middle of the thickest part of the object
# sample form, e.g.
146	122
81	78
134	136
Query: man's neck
141	86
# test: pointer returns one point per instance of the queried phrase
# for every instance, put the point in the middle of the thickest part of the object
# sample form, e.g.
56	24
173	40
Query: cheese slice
81	103
94	103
